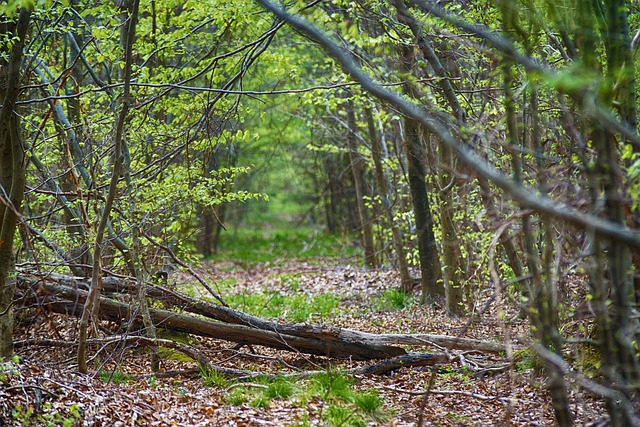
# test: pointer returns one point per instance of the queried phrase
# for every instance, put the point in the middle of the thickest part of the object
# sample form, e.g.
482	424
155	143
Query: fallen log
385	345
66	300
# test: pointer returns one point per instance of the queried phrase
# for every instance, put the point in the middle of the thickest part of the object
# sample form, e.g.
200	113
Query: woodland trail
472	389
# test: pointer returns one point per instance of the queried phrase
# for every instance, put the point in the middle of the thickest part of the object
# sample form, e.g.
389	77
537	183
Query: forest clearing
319	212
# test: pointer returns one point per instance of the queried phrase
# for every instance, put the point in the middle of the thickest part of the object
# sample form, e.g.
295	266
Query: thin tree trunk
432	287
383	187
12	170
357	168
543	311
451	252
91	306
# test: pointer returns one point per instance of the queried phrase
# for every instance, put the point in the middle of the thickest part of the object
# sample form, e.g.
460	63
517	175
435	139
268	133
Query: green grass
115	377
296	308
280	389
393	299
333	385
369	402
267	245
339	415
214	378
342	404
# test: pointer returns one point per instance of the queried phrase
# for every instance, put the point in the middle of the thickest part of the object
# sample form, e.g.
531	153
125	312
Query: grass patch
297	308
214	378
339	415
279	389
333	385
265	245
48	415
114	377
343	406
393	299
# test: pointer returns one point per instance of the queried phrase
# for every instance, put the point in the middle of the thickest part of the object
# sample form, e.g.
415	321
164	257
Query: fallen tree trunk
237	326
66	300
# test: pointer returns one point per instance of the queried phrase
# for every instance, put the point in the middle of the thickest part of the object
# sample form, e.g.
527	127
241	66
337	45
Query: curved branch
525	196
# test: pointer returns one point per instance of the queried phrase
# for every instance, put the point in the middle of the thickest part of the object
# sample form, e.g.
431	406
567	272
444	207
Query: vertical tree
91	306
357	169
13	31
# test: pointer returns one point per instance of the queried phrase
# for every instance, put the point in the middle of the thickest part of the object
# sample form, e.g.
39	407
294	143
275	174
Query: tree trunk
12	169
65	294
378	155
92	305
452	272
432	287
357	168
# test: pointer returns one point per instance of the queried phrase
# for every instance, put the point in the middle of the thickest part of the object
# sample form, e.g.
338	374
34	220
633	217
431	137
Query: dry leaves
46	382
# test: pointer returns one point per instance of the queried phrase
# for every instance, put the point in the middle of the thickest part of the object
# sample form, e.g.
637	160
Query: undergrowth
268	245
336	400
296	308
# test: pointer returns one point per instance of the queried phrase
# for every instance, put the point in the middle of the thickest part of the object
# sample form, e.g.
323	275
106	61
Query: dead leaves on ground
46	385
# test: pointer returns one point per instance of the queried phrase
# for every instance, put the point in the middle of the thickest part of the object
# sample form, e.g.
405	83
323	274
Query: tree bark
357	169
378	155
432	287
12	169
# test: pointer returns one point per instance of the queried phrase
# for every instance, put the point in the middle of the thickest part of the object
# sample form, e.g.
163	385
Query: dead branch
66	294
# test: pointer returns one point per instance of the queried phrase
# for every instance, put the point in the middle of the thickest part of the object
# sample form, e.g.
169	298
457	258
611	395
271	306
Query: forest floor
43	387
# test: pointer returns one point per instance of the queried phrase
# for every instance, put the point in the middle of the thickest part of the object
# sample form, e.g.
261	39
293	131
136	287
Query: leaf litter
44	388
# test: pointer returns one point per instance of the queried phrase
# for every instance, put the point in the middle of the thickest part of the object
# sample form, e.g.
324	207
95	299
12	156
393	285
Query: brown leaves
46	383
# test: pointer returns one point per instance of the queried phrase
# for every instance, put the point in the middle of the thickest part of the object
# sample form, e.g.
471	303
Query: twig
183	264
443	392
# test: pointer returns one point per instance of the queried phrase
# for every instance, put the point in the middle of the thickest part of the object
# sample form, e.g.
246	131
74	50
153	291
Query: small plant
394	299
339	415
48	417
370	401
526	360
238	396
214	378
116	376
457	374
8	368
334	384
281	388
371	404
292	280
261	401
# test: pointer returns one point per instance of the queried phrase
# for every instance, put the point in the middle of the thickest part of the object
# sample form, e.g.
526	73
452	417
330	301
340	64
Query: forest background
477	147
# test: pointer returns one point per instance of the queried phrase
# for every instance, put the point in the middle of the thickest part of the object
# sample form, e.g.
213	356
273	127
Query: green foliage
280	388
339	415
115	377
393	299
527	360
47	416
8	368
237	396
265	244
214	378
457	374
296	308
333	385
369	401
262	392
